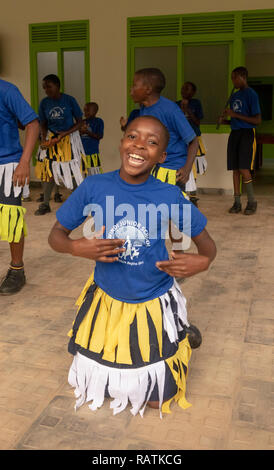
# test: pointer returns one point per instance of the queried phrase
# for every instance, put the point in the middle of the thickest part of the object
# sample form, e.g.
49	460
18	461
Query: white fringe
89	378
6	172
94	171
69	168
191	185
201	164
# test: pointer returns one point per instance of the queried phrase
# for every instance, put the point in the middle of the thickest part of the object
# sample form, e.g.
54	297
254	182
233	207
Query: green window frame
58	37
231	28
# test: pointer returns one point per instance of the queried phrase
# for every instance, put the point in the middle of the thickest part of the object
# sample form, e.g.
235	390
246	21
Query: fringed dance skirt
167	175
12	214
131	353
91	164
62	161
200	162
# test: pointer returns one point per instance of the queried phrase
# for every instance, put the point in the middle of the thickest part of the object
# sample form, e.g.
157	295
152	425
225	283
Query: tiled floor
230	383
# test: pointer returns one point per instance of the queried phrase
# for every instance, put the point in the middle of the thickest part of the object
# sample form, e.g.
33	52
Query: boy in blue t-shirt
183	143
193	111
92	131
60	153
14	174
130	336
245	114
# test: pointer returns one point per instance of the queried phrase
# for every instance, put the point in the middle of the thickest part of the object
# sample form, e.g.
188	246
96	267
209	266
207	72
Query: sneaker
42	209
13	282
58	197
251	208
41	198
236	208
194	336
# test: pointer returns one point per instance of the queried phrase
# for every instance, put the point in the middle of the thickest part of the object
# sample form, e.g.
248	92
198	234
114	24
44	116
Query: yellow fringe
12	223
167	175
181	357
42	170
112	326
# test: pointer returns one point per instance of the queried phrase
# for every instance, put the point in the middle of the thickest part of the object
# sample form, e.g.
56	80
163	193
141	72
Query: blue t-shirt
59	114
180	131
90	144
244	102
128	212
13	108
195	107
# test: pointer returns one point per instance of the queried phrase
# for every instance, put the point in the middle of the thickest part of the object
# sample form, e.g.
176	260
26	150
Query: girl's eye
131	136
153	142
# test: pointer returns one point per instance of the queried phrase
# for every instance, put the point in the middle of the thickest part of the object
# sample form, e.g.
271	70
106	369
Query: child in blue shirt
183	143
92	131
245	114
193	111
14	175
61	151
130	335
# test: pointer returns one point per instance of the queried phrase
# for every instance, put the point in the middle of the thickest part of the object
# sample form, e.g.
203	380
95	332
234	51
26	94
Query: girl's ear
163	157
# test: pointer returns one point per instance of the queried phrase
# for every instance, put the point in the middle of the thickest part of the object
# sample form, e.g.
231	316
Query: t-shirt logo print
136	239
56	113
237	106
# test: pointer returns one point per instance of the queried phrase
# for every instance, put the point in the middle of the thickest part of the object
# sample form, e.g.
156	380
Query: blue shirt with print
180	131
13	108
245	102
139	214
59	114
195	107
91	144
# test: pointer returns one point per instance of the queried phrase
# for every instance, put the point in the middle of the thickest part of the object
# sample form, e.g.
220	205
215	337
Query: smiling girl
130	337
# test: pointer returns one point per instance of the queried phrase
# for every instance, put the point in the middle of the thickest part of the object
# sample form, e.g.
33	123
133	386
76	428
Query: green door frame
58	46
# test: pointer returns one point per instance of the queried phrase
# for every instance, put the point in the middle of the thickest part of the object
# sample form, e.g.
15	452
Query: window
202	48
62	49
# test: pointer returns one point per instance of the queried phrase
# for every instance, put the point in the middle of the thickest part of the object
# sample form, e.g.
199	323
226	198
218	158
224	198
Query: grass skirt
61	161
12	214
132	353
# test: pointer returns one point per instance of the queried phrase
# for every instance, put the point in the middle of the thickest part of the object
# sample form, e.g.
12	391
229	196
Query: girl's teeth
136	157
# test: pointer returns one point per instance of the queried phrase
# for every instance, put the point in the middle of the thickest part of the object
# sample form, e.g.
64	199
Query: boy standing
245	115
183	143
14	174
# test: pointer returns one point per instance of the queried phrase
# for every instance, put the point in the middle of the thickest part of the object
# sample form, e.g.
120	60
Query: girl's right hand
98	249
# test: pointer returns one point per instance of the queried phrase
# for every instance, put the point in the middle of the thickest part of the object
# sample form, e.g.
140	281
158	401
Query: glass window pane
46	64
163	58
207	67
74	75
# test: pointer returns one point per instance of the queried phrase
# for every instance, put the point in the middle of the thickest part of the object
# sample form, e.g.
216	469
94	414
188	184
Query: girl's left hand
184	265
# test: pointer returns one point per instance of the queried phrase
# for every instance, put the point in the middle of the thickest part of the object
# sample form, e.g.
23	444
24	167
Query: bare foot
153	404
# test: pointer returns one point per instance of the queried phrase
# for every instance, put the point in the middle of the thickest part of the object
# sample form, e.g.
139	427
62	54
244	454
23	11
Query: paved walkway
230	383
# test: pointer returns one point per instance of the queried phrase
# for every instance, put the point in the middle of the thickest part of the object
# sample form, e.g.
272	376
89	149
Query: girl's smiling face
142	146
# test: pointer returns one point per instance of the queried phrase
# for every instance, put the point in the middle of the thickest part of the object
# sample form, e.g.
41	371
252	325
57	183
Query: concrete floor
230	382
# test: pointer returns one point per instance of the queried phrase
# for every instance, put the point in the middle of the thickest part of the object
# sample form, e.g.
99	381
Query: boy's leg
15	277
233	164
246	163
44	207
